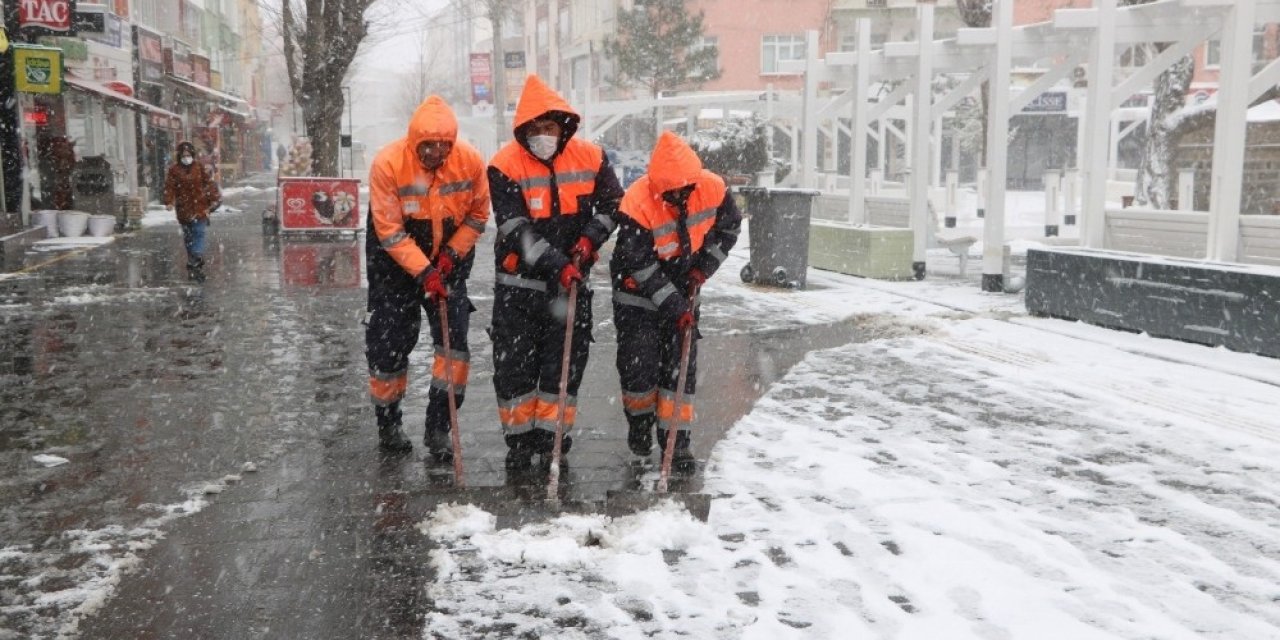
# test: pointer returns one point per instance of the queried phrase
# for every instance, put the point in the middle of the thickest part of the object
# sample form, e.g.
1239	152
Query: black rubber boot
682	460
391	437
519	451
439	444
640	434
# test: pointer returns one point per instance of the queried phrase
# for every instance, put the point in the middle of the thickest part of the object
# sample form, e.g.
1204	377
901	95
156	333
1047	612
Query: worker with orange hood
676	226
555	198
428	204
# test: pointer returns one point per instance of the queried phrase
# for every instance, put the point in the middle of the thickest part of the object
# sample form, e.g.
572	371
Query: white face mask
187	160
543	146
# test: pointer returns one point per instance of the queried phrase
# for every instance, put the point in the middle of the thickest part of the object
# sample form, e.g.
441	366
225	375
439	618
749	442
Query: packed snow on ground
967	471
73	575
63	243
82	295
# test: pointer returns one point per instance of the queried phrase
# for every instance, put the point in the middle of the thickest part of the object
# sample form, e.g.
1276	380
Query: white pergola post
1227	183
953	200
936	179
858	132
1070	197
1052	214
1187	190
921	157
998	147
809	113
1097	126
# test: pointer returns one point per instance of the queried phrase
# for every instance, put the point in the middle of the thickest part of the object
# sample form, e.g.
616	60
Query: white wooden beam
1102	58
890	101
922	122
858	133
962	90
1167	58
809	119
993	231
1264	80
1230	129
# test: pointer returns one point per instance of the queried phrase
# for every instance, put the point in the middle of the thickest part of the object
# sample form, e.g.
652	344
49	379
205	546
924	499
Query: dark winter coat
191	190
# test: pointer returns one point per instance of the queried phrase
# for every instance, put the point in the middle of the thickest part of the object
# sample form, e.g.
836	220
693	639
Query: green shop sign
38	69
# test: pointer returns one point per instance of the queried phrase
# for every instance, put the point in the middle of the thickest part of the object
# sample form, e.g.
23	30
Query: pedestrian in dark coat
192	193
676	226
554	199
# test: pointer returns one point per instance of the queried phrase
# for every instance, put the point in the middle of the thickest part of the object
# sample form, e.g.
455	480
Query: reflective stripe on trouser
649	365
528	343
386	389
391	333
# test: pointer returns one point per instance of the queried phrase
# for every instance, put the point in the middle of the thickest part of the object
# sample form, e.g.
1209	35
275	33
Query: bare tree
321	38
427	78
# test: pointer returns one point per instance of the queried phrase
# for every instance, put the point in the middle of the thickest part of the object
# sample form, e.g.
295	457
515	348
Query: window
1213	54
775	49
1136	56
849	41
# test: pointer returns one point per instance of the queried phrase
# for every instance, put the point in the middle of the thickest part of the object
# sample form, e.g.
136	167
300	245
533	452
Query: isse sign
46	16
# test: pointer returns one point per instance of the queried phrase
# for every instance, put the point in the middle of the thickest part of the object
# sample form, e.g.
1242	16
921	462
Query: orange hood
536	99
432	120
673	164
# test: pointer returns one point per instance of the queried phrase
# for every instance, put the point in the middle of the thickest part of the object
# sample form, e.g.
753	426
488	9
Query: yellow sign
4	41
38	69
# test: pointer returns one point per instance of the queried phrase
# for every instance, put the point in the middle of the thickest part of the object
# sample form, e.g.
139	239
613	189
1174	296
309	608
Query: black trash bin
779	231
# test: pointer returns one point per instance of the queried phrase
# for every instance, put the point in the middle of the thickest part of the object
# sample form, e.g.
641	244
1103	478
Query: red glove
433	284
685	321
569	275
583	250
697	278
444	262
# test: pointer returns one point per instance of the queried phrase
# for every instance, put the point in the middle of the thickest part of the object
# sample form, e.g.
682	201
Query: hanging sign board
38	69
47	17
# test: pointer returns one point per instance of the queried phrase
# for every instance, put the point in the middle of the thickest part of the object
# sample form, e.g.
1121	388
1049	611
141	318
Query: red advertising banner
319	204
53	16
481	79
326	265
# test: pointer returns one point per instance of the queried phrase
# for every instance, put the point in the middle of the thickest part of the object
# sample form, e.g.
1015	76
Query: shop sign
215	80
200	70
91	19
319	203
1047	102
514	64
38	117
149	48
73	49
111	33
39	69
122	8
46	16
177	60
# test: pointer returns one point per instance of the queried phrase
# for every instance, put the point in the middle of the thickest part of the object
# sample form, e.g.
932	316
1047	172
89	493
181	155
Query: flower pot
101	226
47	218
72	223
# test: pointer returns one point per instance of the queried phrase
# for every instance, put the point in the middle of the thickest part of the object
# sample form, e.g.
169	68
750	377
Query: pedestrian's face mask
543	137
543	146
677	197
187	160
432	153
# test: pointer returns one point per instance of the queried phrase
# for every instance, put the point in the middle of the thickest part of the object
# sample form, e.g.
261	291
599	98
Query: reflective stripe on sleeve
540	247
607	221
663	293
644	274
454	187
474	224
523	283
622	297
512	225
717	253
394	239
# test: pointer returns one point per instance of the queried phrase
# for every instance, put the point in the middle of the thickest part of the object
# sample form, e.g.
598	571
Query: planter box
869	252
1220	304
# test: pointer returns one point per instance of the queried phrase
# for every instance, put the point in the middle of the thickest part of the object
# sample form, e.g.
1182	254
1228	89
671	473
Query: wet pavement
243	399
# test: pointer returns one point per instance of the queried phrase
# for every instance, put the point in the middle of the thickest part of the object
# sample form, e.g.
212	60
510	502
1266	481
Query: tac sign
51	16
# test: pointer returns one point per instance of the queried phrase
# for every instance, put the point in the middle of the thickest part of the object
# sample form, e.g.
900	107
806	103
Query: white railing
1179	234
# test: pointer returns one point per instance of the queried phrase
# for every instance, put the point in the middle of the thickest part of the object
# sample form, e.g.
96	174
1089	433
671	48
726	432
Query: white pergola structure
1074	36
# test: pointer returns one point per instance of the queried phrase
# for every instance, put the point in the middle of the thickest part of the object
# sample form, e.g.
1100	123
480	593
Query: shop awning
88	86
224	100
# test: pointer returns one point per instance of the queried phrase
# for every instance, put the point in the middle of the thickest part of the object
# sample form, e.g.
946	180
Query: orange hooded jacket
542	208
414	211
658	241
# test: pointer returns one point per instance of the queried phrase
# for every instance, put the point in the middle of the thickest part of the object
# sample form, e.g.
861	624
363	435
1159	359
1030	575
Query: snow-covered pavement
965	472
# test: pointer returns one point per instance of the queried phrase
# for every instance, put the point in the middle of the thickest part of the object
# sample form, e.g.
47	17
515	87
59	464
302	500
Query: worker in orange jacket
555	197
676	226
429	202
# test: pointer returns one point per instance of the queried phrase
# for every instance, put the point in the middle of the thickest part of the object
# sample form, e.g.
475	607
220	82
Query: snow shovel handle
686	344
454	436
553	484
